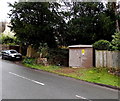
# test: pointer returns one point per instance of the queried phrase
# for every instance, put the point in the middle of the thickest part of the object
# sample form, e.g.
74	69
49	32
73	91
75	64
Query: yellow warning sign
83	51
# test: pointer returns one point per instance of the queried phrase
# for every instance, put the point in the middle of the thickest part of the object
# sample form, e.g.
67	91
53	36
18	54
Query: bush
58	57
115	44
43	50
102	45
28	60
55	56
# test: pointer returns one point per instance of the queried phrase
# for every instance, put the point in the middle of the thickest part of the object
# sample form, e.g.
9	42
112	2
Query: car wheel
3	58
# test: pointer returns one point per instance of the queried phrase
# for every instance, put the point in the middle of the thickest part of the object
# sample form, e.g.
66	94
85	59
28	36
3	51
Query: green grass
98	76
95	75
41	67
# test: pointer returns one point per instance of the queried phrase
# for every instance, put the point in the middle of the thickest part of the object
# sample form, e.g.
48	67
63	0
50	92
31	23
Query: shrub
28	60
115	44
102	45
43	50
58	57
55	56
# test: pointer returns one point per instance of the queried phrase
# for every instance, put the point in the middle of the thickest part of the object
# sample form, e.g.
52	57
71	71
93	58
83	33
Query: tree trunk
116	13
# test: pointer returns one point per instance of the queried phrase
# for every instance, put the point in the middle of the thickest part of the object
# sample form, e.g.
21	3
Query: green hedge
102	45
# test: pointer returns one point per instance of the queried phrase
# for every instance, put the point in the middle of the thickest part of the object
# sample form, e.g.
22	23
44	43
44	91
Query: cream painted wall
8	31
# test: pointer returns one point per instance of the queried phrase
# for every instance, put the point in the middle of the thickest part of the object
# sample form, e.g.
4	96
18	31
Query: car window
3	52
12	52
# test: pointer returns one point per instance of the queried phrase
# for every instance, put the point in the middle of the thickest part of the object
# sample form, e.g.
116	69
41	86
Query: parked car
11	54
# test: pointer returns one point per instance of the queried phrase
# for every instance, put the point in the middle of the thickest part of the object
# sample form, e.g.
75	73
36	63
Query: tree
44	22
5	39
89	23
36	22
113	9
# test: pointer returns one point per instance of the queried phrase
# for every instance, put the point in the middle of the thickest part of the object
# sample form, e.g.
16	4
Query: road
19	82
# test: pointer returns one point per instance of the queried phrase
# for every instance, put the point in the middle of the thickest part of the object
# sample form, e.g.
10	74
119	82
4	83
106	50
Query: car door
5	54
75	58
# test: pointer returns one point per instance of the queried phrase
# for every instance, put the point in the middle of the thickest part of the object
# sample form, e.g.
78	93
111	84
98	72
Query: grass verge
95	75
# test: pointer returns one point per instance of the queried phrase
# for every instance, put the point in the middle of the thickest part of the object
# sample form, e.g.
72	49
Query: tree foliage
36	22
5	39
116	41
44	22
89	23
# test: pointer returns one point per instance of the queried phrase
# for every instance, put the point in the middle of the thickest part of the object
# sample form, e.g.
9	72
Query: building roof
80	46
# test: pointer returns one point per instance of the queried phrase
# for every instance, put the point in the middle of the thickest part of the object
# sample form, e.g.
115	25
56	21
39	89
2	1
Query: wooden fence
109	59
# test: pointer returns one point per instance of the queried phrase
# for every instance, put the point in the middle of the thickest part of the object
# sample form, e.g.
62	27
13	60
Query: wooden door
75	57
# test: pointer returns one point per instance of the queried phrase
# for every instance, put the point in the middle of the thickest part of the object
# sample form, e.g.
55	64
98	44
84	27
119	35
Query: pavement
19	82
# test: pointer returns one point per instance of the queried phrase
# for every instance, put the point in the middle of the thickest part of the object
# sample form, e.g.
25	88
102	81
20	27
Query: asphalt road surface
19	82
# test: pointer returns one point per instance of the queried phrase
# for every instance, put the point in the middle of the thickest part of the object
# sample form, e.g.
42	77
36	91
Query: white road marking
82	97
27	79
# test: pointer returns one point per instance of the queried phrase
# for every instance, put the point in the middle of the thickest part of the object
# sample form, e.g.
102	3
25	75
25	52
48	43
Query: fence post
99	59
109	59
104	58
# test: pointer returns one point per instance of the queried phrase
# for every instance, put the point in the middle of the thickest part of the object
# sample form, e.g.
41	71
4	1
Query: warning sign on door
83	52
